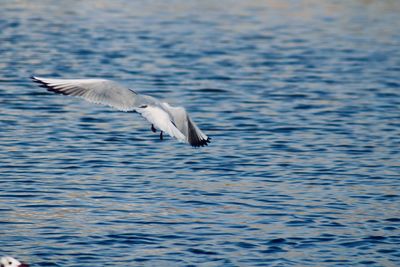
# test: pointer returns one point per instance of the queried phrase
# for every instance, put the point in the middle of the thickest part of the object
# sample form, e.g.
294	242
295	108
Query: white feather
161	120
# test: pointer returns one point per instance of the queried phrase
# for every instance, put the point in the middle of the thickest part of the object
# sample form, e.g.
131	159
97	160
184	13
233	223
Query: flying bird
174	121
8	261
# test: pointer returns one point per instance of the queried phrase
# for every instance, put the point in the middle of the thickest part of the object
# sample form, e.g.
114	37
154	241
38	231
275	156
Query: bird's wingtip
34	78
201	143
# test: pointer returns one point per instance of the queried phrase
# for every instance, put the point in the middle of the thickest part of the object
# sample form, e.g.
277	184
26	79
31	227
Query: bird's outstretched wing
193	135
100	91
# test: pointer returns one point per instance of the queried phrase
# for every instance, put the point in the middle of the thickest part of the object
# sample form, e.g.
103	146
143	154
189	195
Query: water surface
301	100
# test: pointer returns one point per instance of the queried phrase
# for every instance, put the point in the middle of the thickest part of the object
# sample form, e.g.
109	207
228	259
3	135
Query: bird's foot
153	129
161	136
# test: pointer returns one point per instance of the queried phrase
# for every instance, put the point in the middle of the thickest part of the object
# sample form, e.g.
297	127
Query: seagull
174	121
8	261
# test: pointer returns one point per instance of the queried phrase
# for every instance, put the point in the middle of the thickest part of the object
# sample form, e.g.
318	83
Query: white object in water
174	121
8	261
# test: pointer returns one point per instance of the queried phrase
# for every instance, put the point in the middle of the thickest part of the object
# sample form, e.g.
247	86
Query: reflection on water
301	100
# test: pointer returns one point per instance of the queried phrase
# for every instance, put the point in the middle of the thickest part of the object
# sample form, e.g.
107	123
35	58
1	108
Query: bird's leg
161	137
153	129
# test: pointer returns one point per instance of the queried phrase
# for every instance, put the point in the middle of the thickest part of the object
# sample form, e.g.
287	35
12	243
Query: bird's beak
23	265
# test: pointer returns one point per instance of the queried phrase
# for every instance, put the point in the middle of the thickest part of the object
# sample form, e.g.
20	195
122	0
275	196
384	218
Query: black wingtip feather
41	83
36	80
201	143
194	139
47	86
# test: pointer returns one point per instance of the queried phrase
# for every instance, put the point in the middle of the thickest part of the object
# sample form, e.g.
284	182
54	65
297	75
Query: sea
301	100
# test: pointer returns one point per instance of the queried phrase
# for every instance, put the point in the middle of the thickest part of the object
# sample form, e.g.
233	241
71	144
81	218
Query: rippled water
301	98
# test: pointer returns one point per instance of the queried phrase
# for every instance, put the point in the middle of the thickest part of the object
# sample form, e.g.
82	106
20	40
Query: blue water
301	99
